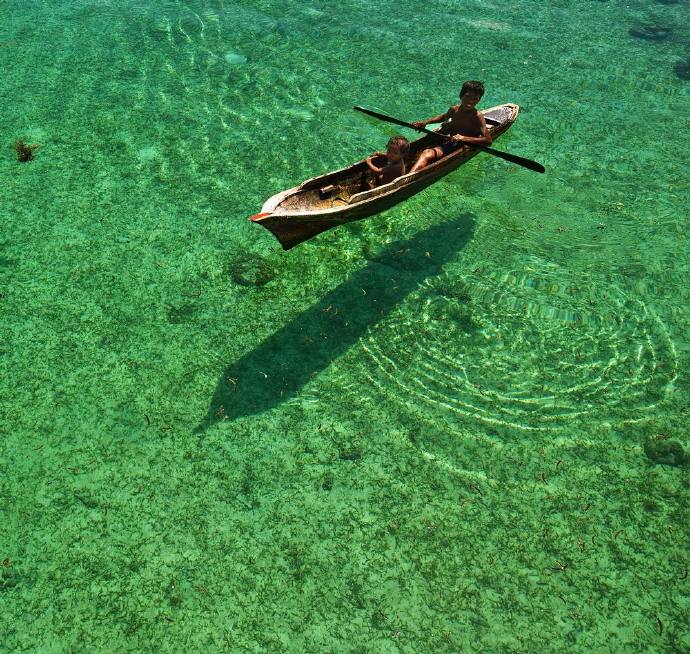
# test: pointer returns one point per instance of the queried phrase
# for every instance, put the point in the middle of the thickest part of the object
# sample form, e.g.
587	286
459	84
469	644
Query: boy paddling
462	122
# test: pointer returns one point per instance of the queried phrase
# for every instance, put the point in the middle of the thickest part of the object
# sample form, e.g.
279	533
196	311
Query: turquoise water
458	426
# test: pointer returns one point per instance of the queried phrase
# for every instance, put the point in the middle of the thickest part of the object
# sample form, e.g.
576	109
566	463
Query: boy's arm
436	119
370	163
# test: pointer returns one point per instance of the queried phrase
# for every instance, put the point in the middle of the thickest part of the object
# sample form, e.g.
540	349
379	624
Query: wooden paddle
513	158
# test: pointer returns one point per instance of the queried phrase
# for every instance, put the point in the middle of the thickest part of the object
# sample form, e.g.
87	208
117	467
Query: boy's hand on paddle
419	124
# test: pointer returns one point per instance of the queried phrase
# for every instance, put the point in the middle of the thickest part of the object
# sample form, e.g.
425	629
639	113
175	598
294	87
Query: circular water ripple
525	351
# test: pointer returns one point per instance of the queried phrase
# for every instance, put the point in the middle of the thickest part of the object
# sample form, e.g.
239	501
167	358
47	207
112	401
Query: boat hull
298	214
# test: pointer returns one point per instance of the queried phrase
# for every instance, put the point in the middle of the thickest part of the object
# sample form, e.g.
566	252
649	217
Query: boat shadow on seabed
278	368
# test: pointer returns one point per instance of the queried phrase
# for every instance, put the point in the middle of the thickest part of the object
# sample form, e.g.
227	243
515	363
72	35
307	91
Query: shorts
447	147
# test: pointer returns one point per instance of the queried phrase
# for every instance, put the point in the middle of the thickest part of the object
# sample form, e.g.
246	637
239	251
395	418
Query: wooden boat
318	204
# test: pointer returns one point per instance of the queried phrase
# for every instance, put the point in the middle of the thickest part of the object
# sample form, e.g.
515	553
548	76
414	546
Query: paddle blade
513	158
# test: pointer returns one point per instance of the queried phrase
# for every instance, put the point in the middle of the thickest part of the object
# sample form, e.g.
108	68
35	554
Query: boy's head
474	87
398	146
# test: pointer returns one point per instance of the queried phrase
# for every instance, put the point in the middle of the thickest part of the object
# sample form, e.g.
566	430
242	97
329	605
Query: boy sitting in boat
393	162
462	122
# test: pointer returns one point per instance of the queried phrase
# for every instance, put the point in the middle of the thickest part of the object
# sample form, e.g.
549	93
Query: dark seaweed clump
682	69
8	575
664	451
25	152
651	32
250	271
181	313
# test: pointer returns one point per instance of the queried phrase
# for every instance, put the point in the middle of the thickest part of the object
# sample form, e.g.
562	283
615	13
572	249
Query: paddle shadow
279	367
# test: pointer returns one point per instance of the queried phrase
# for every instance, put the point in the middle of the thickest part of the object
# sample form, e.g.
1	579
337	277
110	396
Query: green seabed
459	426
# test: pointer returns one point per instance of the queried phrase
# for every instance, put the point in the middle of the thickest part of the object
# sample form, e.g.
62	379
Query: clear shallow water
424	432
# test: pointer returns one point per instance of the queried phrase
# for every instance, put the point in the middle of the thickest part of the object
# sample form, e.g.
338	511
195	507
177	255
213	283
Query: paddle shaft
513	158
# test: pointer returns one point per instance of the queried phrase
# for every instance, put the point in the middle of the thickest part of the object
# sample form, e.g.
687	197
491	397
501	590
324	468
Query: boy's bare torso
462	121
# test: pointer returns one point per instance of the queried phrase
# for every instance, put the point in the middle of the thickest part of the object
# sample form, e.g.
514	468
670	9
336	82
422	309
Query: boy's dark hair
402	143
474	86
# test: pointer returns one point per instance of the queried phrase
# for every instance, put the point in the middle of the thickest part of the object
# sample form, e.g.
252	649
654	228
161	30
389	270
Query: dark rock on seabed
651	32
250	271
682	69
665	451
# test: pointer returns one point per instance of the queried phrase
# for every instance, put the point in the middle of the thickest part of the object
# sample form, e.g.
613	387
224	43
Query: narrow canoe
300	213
